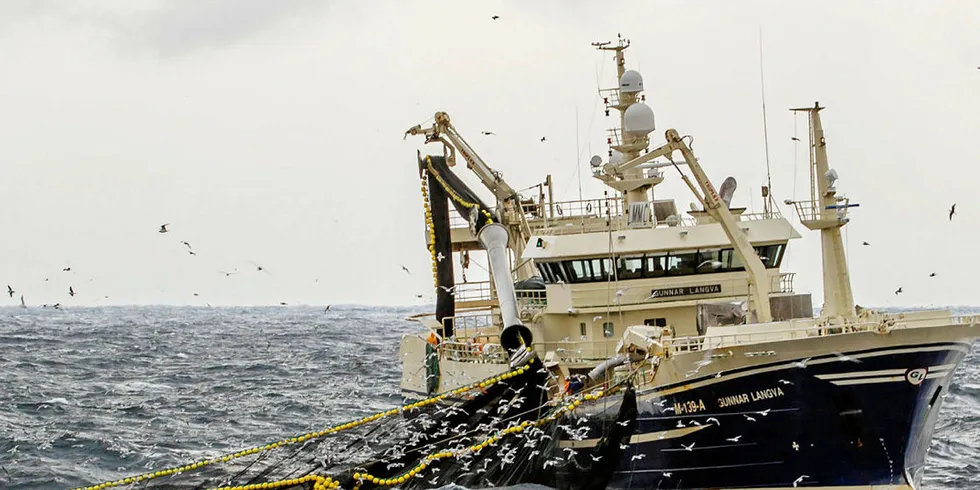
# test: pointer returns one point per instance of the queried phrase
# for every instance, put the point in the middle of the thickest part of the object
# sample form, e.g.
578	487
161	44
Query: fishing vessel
739	383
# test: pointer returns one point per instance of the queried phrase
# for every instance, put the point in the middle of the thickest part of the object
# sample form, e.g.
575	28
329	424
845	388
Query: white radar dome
638	119
616	158
631	83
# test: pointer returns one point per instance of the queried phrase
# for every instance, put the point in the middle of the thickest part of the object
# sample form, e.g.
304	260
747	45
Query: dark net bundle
504	433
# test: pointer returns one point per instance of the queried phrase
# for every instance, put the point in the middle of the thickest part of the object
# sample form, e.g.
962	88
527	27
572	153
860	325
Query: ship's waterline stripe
654	393
887	379
883	372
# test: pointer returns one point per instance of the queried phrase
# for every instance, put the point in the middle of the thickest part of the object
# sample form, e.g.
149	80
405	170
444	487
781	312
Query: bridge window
656	266
705	261
630	267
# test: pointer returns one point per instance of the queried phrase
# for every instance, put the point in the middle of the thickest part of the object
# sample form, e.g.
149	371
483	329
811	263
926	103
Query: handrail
887	322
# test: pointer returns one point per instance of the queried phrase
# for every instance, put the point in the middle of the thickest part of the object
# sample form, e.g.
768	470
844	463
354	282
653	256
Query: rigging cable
765	129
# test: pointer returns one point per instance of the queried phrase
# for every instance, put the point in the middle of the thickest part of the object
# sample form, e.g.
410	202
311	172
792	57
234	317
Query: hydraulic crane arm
758	288
490	178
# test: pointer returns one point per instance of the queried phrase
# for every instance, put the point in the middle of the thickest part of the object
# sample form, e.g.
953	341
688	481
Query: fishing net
504	430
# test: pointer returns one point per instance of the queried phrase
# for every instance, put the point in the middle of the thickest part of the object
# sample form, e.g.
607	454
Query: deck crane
508	205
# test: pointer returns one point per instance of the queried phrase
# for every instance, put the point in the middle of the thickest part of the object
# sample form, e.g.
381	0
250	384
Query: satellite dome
616	158
638	119
631	83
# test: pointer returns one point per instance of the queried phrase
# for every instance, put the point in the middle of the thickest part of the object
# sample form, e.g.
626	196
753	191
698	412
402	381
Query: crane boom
490	178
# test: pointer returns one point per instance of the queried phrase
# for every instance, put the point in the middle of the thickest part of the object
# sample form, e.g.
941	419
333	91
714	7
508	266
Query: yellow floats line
326	482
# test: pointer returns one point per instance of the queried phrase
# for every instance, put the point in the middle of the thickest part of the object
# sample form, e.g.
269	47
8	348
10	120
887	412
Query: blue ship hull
845	419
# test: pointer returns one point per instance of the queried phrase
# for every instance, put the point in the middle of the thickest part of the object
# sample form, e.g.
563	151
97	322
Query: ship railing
703	342
610	97
473	291
885	323
535	298
457	221
578	352
760	216
782	283
474	351
478	327
815	210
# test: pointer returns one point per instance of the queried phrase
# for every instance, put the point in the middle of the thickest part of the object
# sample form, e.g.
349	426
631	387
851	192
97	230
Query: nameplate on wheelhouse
685	291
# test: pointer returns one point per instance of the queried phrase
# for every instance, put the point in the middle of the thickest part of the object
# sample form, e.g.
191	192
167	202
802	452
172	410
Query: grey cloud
168	28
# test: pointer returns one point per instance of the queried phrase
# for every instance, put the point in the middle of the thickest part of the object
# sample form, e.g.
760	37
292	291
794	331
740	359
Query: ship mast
631	137
827	212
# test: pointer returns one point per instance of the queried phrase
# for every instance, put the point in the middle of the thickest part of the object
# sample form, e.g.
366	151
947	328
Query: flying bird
163	228
495	17
898	291
543	138
66	269
406	270
326	309
734	439
488	133
952	211
932	275
799	480
188	245
71	291
10	291
866	244
794	138
638	456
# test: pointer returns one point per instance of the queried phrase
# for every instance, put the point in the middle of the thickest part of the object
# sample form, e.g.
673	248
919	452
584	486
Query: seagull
543	138
489	133
783	381
764	412
624	446
898	291
495	17
794	138
10	291
952	211
597	318
229	273
734	439
66	269
596	458
326	309
188	245
713	419
932	275
71	292
799	480
688	448
802	364
667	474
866	244
163	228
406	270
750	418
638	456
623	423
796	447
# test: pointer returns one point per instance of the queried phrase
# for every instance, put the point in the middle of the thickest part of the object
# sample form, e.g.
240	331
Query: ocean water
95	394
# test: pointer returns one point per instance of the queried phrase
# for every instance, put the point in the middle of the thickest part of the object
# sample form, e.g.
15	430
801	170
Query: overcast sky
270	133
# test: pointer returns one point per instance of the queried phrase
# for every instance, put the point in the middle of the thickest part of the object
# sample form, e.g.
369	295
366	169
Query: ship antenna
765	127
